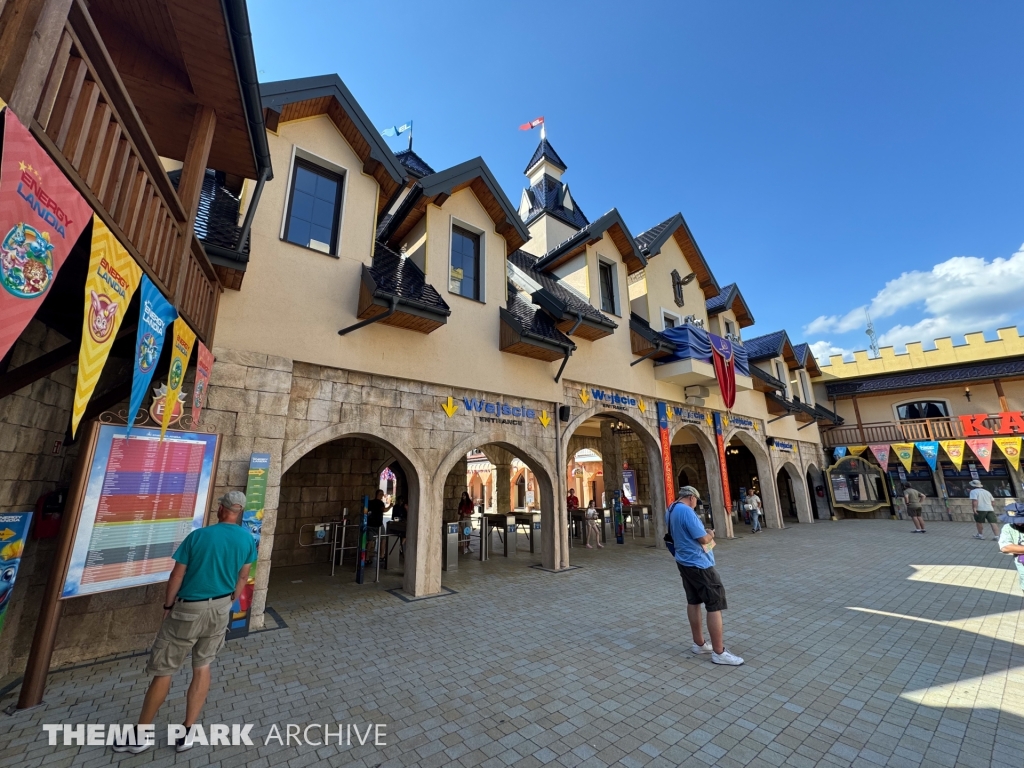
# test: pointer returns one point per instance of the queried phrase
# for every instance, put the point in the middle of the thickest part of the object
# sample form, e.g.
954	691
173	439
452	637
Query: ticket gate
530	522
450	546
506	527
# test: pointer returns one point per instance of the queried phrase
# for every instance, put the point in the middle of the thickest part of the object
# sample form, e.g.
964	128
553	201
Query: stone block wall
634	454
454	485
690	459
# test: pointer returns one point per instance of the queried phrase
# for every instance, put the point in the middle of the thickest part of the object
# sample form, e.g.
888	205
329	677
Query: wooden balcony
903	432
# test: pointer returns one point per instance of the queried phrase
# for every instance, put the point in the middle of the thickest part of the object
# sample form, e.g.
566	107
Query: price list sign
143	497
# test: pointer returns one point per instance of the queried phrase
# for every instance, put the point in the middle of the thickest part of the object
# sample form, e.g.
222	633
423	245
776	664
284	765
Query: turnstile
506	527
450	546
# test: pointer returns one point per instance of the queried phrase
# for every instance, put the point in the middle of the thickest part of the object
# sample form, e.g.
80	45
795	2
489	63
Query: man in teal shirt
211	569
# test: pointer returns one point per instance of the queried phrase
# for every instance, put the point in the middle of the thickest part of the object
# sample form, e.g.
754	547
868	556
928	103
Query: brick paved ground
865	645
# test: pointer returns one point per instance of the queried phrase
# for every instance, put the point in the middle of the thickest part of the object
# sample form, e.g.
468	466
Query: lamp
967	393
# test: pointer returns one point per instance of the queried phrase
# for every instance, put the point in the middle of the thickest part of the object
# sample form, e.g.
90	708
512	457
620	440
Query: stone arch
709	452
765	473
799	485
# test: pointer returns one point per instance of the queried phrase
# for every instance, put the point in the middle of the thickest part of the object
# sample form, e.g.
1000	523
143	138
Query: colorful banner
881	452
41	217
155	314
723	467
839	452
725	368
982	448
666	454
905	453
204	366
857	450
930	450
13	533
109	286
955	451
1010	446
181	350
252	518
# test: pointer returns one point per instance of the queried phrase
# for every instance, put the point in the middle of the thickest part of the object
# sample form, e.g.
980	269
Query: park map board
143	497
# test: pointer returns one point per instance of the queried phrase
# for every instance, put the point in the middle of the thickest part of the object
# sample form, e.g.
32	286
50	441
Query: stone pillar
611	457
502	461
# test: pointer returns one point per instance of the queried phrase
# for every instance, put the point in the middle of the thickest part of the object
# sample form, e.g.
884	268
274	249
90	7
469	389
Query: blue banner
155	314
13	533
930	451
839	452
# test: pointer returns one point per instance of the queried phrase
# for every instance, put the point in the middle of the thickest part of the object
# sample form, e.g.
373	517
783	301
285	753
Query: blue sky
829	157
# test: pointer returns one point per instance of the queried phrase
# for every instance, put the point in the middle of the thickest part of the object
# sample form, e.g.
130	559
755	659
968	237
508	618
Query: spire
545	153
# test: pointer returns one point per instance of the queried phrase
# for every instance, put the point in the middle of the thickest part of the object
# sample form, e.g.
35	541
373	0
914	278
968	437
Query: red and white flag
532	124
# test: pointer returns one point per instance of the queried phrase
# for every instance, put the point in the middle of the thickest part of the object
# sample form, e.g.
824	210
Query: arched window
923	409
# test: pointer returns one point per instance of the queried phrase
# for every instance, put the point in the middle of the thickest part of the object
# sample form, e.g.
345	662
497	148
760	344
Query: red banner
725	368
41	217
204	365
666	455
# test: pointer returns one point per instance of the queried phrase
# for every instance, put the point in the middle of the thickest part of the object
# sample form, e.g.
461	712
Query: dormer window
730	328
314	208
606	276
464	272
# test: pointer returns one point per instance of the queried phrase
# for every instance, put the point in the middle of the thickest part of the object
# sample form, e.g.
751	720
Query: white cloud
957	296
822	350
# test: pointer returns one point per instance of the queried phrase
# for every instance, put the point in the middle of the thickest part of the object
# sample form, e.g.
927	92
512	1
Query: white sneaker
184	743
995	538
978	536
129	745
701	649
725	657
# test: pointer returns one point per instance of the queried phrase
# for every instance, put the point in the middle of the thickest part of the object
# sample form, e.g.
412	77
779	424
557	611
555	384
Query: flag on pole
532	124
397	130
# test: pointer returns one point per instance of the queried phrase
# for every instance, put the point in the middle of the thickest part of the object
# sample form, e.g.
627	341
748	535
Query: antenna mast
872	335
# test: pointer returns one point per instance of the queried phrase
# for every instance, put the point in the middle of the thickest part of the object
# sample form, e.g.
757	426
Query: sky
831	158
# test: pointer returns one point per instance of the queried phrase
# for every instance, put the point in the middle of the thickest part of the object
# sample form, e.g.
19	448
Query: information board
143	496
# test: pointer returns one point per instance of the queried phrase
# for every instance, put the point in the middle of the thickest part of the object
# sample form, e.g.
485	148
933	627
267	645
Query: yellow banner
112	280
1010	446
955	451
857	450
905	453
181	350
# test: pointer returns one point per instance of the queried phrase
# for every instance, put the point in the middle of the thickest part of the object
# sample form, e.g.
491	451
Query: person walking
593	524
465	520
981	503
211	567
692	547
915	501
755	512
1011	538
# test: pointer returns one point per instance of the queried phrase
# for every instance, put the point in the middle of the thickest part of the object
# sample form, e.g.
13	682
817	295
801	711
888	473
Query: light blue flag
930	451
397	130
839	452
155	315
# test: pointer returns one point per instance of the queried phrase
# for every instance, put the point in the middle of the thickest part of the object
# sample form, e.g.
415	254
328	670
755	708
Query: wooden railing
88	123
902	432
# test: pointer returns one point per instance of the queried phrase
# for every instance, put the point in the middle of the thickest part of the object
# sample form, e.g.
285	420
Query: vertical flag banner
723	467
905	453
182	339
111	282
857	450
41	217
155	315
955	451
252	519
204	366
881	452
1010	446
839	452
13	533
666	454
982	448
725	368
930	450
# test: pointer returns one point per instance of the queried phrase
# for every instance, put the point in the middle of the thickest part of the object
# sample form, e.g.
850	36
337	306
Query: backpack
670	543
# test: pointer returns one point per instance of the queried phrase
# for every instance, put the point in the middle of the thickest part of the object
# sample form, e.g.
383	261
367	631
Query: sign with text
252	519
13	533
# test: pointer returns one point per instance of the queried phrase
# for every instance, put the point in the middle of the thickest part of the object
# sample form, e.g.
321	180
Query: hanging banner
982	448
905	453
857	450
666	454
41	217
13	533
839	452
723	467
881	452
1010	446
204	366
181	350
155	314
725	368
930	450
955	451
252	518
109	286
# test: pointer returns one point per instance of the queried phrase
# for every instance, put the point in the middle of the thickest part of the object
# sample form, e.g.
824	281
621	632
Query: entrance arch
703	472
819	504
765	475
796	487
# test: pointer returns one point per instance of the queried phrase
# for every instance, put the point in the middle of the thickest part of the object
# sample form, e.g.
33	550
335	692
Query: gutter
569	351
372	320
652	353
237	15
251	210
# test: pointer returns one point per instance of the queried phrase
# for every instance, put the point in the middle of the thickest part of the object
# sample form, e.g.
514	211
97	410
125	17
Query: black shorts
702	585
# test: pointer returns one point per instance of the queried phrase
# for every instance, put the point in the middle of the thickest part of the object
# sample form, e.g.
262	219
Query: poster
143	496
629	485
41	217
182	339
13	533
252	518
155	314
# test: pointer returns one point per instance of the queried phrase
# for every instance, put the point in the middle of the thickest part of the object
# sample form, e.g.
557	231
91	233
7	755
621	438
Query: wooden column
35	66
1003	407
860	424
191	184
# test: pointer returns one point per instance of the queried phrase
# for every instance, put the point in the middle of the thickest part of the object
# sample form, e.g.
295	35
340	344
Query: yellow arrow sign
544	419
668	411
257	472
450	407
641	405
6	534
584	396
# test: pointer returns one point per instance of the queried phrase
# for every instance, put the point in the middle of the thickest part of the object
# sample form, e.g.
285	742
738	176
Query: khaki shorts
197	628
986	516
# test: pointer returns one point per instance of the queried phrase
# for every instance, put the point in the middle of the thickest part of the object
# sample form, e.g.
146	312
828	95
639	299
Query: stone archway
820	509
766	476
799	486
709	455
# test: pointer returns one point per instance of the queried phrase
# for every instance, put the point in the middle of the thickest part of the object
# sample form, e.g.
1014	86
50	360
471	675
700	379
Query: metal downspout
371	320
568	351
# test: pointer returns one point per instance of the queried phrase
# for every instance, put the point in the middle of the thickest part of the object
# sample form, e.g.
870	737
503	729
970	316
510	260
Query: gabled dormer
546	206
728	312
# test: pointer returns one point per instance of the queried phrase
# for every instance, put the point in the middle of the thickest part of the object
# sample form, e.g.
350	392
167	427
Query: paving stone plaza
865	645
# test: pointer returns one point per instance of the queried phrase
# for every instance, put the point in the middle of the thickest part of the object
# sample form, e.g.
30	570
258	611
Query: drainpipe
251	210
374	319
656	350
568	351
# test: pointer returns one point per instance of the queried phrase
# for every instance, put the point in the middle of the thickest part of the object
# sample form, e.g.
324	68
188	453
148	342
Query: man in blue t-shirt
696	562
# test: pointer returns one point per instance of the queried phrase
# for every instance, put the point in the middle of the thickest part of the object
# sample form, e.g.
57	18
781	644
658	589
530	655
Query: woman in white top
593	524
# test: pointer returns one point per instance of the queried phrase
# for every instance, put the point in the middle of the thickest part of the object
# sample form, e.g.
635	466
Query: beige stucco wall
881	408
660	295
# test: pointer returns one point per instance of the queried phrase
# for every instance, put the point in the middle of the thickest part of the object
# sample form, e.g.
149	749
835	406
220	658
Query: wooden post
42	47
191	185
1003	407
860	425
41	653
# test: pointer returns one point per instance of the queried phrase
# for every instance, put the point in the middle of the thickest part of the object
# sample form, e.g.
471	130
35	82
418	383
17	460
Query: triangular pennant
155	317
839	452
905	453
857	450
1010	446
204	366
955	451
982	448
182	339
930	450
881	452
111	282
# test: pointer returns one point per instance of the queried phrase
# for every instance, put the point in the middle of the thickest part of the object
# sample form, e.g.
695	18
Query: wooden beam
1003	407
35	67
860	424
191	185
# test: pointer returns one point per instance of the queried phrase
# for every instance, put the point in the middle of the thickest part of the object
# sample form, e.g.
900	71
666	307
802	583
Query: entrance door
814	497
786	499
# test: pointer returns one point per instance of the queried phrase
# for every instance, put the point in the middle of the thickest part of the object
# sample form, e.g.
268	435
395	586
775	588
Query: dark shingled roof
644	239
726	300
547	196
806	359
762	347
553	285
650	242
399	276
217	217
533	321
595	230
764	376
545	150
960	374
413	163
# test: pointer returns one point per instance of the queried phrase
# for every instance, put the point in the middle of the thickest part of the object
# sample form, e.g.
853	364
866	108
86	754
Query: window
805	386
314	208
730	328
780	374
920	477
464	276
607	278
996	480
669	321
923	409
